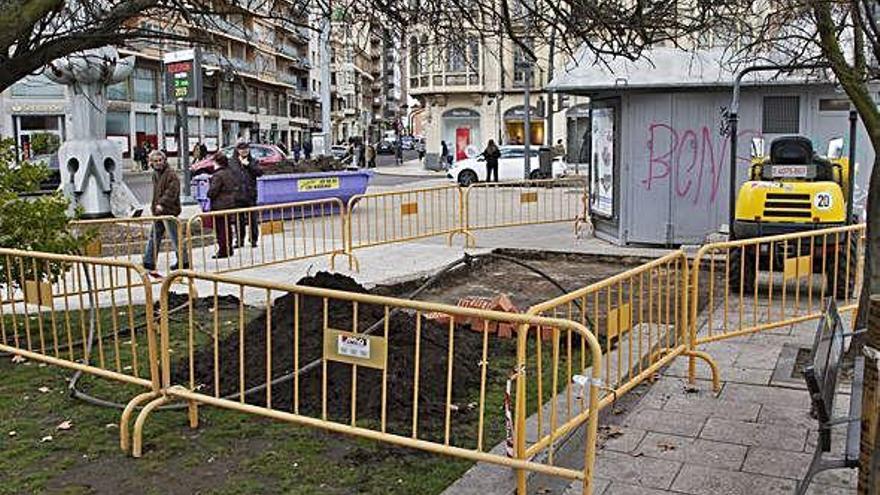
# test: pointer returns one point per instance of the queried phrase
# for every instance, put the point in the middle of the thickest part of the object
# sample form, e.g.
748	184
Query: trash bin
545	162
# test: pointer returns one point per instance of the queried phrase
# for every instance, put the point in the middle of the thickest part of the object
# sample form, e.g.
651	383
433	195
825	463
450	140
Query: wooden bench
821	376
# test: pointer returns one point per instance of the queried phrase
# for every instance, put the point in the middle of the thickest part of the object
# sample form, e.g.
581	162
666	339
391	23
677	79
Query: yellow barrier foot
126	417
469	239
193	413
138	434
716	376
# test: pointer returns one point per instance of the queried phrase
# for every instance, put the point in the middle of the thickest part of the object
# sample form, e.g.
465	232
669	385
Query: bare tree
35	32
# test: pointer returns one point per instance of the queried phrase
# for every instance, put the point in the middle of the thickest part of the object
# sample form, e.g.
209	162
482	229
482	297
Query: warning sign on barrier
355	348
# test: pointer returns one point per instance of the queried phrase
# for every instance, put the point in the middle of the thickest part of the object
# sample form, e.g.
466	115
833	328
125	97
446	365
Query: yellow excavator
793	189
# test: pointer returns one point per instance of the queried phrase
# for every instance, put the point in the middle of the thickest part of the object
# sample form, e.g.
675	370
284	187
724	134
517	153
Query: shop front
461	132
38	134
514	126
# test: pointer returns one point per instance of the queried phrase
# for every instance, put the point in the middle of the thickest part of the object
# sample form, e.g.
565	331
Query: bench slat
853	430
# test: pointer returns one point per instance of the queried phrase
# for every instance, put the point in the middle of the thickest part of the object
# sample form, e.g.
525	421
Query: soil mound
322	164
433	361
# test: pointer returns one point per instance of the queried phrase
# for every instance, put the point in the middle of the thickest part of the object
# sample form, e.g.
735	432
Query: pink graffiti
690	158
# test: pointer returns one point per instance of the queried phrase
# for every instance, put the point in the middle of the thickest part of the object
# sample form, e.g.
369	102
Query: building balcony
287	51
445	83
287	78
241	65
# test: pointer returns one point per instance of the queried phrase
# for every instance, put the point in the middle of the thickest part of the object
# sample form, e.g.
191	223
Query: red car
267	155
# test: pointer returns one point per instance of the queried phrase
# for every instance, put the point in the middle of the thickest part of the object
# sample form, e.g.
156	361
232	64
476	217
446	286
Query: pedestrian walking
246	165
444	155
296	151
140	157
420	146
148	148
165	202
370	156
558	149
356	154
197	153
223	193
307	149
491	154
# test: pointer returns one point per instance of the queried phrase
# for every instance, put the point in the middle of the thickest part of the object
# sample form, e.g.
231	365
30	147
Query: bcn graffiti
690	160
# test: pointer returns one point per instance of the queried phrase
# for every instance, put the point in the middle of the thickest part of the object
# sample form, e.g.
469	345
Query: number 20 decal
823	201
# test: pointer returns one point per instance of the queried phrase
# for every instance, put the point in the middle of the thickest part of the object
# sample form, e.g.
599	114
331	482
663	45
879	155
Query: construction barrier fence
511	204
753	285
404	372
408	373
86	314
129	239
389	217
640	319
242	238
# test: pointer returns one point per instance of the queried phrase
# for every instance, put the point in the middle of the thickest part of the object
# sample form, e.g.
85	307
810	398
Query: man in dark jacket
246	164
223	193
166	202
491	154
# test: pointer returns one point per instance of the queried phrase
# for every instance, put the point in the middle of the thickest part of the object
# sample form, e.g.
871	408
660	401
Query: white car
510	166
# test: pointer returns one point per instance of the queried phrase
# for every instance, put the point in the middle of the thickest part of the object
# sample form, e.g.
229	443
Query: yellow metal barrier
91	315
510	204
404	372
127	239
398	216
286	232
752	285
641	316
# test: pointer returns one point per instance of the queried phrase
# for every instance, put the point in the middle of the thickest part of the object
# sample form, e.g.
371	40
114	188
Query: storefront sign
183	76
602	162
519	113
461	113
319	183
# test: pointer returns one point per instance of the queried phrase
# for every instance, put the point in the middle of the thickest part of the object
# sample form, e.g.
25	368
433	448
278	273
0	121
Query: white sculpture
90	164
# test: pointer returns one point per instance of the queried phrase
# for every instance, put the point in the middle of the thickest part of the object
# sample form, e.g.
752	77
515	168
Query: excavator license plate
791	171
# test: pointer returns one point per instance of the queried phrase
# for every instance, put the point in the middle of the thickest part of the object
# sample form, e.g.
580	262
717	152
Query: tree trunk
872	255
869	483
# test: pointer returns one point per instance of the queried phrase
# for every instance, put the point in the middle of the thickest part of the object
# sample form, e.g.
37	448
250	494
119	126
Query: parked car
510	166
267	155
385	147
406	142
339	151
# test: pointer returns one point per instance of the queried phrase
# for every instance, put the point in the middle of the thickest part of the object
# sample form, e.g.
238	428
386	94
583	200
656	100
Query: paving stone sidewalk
755	437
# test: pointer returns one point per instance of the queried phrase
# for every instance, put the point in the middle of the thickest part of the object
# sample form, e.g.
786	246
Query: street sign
183	76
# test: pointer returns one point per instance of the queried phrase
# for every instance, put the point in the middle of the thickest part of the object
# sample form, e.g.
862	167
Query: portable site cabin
654	142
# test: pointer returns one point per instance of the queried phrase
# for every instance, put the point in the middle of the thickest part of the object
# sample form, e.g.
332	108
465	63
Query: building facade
261	79
470	91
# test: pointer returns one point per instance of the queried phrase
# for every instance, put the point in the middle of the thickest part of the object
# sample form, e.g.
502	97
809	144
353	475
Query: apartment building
365	81
261	83
472	90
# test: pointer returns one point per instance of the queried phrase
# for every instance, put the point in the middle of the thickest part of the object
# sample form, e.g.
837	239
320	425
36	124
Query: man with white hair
166	202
